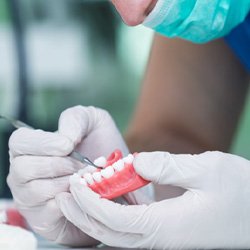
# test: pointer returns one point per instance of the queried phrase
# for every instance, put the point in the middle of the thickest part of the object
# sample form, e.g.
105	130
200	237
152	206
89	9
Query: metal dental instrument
75	155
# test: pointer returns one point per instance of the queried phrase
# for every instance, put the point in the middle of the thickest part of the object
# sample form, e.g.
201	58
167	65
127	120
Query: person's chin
133	12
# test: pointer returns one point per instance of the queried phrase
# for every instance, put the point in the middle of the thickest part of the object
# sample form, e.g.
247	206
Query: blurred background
61	53
74	52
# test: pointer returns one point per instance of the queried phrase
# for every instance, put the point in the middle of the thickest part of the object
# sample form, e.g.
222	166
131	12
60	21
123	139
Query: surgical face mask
198	21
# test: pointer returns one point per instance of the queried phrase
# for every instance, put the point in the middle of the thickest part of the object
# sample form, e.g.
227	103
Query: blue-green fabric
198	21
239	40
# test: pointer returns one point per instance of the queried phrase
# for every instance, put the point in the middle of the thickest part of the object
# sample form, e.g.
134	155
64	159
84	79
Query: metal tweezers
75	155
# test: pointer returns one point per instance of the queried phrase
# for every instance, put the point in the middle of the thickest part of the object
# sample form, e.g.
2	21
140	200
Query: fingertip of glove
39	142
142	160
146	164
75	180
72	123
76	183
15	135
67	146
77	187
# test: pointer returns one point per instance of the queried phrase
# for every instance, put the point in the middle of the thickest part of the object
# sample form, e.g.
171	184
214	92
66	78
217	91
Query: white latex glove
40	168
214	212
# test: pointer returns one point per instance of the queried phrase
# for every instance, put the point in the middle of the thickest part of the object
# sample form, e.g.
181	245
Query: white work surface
44	245
102	248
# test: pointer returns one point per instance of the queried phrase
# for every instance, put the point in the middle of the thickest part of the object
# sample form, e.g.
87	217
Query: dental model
12	217
117	177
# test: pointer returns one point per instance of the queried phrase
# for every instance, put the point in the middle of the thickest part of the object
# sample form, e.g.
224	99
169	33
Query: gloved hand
214	212
40	168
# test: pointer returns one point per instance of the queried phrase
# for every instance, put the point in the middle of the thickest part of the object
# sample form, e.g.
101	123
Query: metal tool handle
75	155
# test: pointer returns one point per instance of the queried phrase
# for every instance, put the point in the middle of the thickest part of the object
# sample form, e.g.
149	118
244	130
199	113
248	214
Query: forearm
191	93
191	98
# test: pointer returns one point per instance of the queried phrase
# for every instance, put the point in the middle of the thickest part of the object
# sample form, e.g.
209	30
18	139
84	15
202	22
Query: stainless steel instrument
75	155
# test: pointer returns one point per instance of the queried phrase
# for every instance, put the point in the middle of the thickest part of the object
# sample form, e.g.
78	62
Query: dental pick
75	155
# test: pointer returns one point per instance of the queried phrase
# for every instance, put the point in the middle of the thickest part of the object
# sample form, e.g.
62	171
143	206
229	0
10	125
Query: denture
117	177
12	217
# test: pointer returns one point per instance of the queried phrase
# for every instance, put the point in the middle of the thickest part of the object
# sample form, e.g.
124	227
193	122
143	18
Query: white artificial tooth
3	217
119	165
110	169
81	172
97	176
100	162
83	182
75	175
74	179
107	172
129	159
89	179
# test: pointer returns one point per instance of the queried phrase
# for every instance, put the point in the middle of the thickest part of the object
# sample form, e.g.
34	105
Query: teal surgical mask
198	21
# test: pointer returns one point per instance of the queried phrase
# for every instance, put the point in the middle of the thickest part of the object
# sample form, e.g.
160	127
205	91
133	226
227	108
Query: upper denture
117	178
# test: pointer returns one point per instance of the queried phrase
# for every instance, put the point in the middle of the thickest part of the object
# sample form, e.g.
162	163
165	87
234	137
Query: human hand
40	168
212	213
